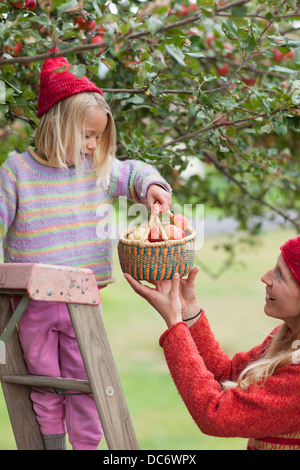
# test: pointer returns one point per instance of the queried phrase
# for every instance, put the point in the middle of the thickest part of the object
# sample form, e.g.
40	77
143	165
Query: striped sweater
55	216
269	416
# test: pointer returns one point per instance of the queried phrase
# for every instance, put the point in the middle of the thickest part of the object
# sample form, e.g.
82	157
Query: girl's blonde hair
281	352
61	132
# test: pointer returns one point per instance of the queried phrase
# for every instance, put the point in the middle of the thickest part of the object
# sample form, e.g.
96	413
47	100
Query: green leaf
230	30
239	11
279	127
78	70
197	55
279	68
176	53
267	129
154	24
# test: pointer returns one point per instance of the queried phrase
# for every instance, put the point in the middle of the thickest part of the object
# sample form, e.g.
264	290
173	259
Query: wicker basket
156	261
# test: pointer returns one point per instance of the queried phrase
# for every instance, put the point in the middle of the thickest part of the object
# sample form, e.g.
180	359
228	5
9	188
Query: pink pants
50	348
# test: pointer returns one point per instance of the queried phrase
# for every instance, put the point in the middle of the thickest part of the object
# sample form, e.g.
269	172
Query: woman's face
282	294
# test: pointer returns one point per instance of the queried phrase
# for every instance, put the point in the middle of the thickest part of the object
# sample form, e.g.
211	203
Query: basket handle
155	220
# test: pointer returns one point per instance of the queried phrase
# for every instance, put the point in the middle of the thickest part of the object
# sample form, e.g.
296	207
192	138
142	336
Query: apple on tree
223	70
84	24
95	40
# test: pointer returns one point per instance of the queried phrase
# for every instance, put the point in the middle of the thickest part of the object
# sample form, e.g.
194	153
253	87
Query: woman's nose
266	278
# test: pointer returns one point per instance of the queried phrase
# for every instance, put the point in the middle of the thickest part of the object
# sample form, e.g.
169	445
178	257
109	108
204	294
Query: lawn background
234	306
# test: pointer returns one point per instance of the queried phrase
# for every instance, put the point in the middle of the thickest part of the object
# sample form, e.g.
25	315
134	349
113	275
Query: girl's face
95	124
282	294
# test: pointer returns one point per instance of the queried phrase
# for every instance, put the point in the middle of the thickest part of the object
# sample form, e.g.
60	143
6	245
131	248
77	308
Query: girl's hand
158	193
165	298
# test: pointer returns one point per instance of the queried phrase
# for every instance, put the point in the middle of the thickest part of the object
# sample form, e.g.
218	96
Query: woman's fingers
144	291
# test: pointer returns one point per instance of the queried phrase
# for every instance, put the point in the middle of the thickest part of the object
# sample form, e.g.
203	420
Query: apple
278	55
209	39
101	30
223	70
291	54
180	221
173	232
249	81
154	235
20	4
14	50
97	39
186	10
31	5
139	233
82	23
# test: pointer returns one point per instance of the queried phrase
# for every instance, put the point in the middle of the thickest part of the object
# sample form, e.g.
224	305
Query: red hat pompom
55	85
291	254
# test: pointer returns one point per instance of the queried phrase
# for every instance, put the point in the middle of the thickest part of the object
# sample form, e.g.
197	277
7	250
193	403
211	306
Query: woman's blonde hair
281	352
61	129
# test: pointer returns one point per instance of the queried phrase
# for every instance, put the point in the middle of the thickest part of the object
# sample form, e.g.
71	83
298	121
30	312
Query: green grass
234	305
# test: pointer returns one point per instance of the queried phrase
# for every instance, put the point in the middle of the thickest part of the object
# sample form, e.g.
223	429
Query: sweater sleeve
8	199
254	412
215	358
132	178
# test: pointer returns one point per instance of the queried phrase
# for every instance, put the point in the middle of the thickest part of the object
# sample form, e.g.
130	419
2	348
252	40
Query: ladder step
50	382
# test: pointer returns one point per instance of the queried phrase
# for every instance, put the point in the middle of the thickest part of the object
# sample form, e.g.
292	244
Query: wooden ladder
78	289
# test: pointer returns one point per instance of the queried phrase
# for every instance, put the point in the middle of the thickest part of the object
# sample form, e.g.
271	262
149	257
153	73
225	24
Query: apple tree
206	84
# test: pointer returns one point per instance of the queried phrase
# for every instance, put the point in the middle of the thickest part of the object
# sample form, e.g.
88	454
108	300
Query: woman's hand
174	299
158	193
164	298
190	305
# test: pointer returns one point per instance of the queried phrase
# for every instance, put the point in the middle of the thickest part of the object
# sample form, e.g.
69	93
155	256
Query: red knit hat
291	254
56	86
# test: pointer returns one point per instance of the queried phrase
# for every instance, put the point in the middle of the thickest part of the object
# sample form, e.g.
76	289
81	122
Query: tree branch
245	191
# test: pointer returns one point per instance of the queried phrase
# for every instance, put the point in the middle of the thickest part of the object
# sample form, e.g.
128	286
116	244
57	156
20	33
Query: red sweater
199	366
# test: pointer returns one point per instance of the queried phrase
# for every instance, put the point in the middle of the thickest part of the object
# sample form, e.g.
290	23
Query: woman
254	395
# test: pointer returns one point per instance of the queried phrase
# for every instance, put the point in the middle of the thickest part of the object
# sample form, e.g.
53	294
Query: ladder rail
78	289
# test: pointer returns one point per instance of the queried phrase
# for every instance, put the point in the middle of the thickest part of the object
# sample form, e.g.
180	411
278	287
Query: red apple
95	40
101	30
223	70
277	55
180	221
31	5
209	39
83	23
154	235
228	47
249	81
186	10
14	50
173	232
20	4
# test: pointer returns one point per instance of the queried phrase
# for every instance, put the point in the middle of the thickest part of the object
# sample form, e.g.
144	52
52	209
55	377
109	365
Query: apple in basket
180	221
173	232
138	233
154	235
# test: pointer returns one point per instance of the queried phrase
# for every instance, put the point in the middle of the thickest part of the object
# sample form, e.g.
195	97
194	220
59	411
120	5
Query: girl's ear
52	123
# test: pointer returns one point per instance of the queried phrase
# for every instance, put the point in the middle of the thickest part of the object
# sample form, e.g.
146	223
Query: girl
51	200
256	394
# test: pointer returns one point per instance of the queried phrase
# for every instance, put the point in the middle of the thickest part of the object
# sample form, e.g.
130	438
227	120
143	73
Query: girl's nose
92	144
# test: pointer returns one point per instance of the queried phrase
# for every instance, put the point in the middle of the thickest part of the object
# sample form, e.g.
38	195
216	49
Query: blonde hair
61	129
281	352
